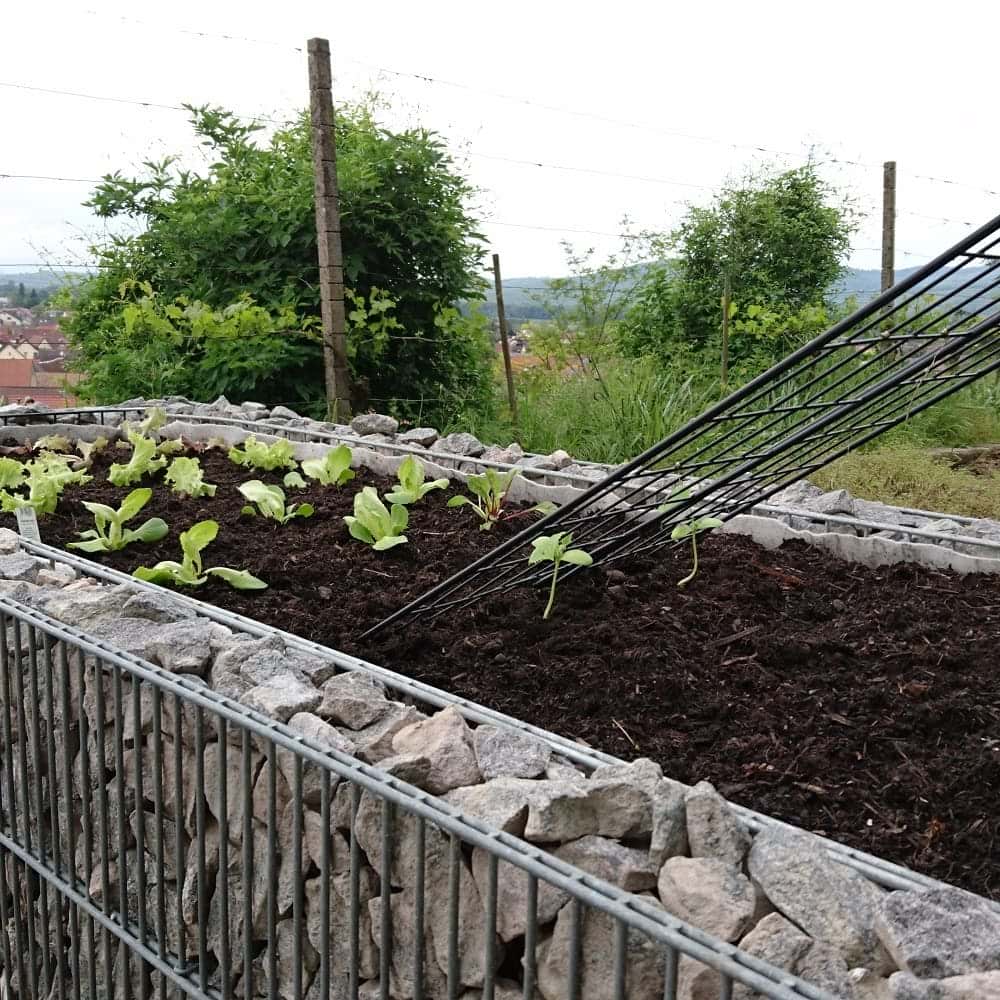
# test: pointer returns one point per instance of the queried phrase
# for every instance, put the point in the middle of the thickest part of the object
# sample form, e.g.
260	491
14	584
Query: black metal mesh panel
924	339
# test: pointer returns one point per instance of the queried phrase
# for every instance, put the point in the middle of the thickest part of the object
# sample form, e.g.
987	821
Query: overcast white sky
705	81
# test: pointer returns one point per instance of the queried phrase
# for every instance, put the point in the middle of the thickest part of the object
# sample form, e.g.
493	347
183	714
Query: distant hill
43	281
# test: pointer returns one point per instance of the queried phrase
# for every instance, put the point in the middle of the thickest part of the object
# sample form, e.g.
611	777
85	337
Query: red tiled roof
16	372
47	397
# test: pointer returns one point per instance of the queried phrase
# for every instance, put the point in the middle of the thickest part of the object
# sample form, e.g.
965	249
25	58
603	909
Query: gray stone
284	412
446	740
55	576
587	472
645	959
10	541
424	436
623	809
402	974
372	439
944	526
282	697
20	566
502	751
834	502
412	768
87	608
829	901
321	733
353	700
939	933
796	495
156	606
626	867
461	443
499	804
374	742
374	423
779	942
712	827
868	986
973	986
186	647
510	455
711	894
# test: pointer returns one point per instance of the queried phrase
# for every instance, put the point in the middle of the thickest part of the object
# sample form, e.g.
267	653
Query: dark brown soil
862	704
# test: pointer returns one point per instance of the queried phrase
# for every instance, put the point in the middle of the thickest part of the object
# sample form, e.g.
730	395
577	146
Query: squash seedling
270	502
410	486
491	488
374	524
556	549
333	469
691	529
256	455
109	533
190	572
185	477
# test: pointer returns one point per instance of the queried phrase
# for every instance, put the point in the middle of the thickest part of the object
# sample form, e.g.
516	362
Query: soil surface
861	704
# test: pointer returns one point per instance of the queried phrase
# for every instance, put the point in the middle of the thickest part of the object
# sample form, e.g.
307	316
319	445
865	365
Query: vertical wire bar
180	821
55	828
418	910
491	926
102	818
20	880
531	937
725	986
199	798
5	949
575	920
298	902
454	874
161	899
87	816
355	907
248	875
385	945
118	702
222	886
272	872
620	955
324	884
23	800
140	812
670	968
74	914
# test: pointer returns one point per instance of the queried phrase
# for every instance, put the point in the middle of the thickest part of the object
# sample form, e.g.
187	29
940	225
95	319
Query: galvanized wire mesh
928	337
157	839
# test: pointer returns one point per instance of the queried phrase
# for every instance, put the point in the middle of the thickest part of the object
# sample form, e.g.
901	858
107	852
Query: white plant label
27	524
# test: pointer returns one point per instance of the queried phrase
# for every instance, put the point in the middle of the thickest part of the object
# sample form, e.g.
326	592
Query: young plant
556	549
256	455
88	449
691	529
333	469
144	461
190	572
54	442
46	477
270	501
410	486
171	446
109	533
12	474
293	481
491	488
374	524
185	477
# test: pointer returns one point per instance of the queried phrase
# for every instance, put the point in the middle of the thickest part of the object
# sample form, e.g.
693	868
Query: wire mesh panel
159	840
928	337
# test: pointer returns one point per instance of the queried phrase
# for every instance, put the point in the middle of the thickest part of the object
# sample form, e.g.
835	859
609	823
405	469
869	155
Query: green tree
240	235
780	239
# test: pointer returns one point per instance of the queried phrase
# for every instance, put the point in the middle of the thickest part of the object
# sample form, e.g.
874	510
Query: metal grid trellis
159	839
891	359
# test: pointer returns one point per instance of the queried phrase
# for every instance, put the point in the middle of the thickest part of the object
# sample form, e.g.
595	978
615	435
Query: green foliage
46	477
691	529
270	502
410	486
556	549
144	461
267	457
780	239
88	449
333	469
216	290
190	571
12	474
109	533
491	488
293	481
374	524
185	477
53	442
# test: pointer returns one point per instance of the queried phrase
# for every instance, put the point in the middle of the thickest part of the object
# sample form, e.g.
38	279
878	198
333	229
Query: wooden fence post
504	343
331	260
888	224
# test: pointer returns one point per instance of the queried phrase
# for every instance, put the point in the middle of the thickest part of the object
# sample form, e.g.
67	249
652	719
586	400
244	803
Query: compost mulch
863	704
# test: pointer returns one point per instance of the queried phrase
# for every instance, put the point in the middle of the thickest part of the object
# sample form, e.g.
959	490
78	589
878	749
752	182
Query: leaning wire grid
890	360
115	772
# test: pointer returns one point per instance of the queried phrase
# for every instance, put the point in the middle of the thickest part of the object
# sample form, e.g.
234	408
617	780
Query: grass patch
909	477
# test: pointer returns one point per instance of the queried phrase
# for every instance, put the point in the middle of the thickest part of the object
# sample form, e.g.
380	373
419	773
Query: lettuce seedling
171	446
109	533
293	480
156	417
53	442
410	485
185	477
270	501
47	476
190	572
556	549
491	488
256	455
88	449
12	474
375	525
691	529
333	469
144	461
